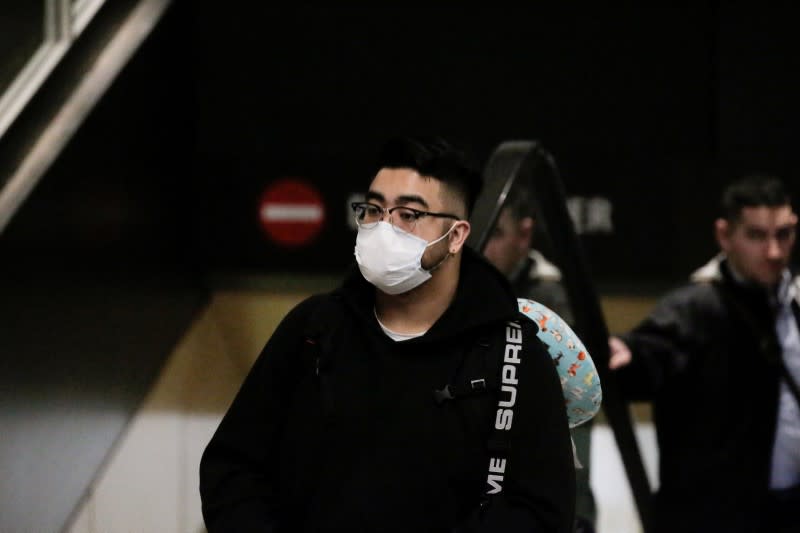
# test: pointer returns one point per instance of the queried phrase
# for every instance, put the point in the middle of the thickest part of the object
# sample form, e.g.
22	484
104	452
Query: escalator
97	274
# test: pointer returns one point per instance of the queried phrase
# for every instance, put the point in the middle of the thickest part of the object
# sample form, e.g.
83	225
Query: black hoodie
359	444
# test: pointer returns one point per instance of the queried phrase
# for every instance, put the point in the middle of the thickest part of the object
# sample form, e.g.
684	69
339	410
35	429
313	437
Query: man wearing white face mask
388	253
414	398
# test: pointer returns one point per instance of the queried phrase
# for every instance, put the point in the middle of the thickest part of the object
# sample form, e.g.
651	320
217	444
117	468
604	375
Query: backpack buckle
478	384
441	395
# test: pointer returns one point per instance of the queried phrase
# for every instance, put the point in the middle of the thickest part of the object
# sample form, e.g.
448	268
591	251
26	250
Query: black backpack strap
784	369
499	442
320	335
768	342
324	321
480	371
471	376
790	382
787	376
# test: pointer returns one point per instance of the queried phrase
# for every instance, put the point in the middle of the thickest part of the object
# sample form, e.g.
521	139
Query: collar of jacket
483	296
541	268
717	269
534	267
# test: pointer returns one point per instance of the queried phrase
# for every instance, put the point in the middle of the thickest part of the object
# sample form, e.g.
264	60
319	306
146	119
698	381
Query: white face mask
391	259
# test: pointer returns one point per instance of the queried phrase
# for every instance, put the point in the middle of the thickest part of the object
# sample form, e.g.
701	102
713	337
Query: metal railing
64	21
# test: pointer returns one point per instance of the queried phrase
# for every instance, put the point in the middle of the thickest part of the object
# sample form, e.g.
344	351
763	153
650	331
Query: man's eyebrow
412	199
374	195
403	199
765	231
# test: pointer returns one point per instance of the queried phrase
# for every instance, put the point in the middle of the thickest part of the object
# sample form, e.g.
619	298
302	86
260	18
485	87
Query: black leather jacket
714	389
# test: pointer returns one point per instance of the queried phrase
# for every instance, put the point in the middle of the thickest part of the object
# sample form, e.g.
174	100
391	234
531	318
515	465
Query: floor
616	508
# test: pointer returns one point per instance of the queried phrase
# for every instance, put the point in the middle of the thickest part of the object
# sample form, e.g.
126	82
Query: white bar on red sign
291	213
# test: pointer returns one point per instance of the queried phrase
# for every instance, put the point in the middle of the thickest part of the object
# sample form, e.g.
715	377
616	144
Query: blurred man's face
759	245
509	242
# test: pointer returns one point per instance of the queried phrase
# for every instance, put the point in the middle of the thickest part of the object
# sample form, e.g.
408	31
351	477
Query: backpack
480	369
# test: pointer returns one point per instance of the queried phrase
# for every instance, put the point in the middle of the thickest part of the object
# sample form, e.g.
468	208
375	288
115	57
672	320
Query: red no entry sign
291	212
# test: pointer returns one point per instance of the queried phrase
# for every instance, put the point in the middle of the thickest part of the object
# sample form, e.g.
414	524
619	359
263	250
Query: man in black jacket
718	358
425	403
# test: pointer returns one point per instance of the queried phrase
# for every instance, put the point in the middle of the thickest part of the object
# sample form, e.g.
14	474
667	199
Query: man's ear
526	227
458	236
722	229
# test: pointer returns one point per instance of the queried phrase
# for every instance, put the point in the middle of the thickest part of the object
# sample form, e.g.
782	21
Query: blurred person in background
510	249
720	360
374	408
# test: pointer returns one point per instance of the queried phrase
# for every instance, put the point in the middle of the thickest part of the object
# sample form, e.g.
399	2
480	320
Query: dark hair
754	190
437	158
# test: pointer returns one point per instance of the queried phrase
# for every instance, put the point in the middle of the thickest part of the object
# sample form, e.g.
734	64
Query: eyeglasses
405	218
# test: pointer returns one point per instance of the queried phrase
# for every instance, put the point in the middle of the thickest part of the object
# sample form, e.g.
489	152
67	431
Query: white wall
150	484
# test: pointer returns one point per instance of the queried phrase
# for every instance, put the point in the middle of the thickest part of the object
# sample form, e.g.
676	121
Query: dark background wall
650	108
317	90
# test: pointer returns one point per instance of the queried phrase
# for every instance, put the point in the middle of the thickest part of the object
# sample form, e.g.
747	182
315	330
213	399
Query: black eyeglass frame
417	212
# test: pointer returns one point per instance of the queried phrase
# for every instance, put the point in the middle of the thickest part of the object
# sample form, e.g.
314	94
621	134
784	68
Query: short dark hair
753	190
437	158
